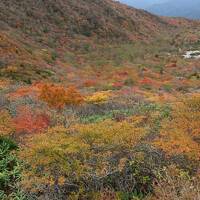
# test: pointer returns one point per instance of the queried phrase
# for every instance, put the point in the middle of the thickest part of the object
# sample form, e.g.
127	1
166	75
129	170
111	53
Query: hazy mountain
177	8
142	3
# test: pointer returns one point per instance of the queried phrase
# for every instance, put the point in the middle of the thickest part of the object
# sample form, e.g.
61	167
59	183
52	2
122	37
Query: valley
98	101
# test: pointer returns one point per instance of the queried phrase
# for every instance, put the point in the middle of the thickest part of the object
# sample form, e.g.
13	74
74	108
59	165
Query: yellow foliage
180	134
110	133
79	150
6	124
11	69
98	97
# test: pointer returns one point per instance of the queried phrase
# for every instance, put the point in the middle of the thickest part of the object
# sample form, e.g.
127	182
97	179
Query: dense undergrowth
108	147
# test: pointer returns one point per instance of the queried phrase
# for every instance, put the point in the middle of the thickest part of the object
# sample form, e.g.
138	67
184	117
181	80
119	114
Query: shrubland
99	141
123	148
97	102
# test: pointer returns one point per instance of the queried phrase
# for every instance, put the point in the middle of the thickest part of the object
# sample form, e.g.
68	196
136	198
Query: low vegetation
97	102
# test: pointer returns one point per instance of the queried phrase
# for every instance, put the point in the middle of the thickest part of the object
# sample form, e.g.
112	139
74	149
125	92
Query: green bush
10	171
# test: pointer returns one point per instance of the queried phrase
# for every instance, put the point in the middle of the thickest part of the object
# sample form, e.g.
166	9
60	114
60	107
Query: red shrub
89	83
123	73
146	81
117	84
29	122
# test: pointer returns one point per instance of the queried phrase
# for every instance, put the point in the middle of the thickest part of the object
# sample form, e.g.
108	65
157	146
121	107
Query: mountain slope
177	8
39	38
100	18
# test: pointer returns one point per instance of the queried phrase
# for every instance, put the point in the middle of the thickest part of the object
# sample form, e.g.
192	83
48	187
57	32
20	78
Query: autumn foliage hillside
62	19
40	39
97	102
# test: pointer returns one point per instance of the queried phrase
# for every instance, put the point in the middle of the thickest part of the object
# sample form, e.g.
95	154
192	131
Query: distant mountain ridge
177	8
142	4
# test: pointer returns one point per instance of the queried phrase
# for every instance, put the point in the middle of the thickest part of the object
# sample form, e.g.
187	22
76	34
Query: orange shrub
181	133
73	96
53	95
57	97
